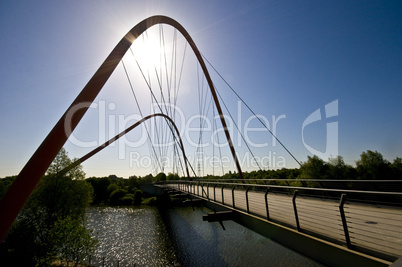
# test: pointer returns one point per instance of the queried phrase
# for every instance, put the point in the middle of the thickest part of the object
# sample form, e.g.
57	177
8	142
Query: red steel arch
30	175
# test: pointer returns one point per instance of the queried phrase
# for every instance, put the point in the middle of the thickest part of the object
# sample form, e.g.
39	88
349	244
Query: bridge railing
368	221
365	185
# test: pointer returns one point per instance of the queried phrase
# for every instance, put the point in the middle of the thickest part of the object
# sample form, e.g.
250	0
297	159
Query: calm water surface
145	236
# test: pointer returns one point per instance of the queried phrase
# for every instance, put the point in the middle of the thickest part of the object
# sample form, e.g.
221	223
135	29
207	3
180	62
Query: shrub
116	195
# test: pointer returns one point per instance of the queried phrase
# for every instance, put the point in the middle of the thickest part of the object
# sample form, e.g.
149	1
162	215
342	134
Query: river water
146	236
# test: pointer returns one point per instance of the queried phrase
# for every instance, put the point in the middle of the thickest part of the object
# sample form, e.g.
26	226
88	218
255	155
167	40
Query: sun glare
148	51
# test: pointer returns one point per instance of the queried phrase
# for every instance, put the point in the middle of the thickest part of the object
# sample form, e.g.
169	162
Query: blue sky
285	58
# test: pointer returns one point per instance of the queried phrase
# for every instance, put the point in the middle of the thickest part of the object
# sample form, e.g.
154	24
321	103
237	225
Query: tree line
370	166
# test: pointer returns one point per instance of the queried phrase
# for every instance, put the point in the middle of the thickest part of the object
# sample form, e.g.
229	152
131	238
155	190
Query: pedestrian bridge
331	224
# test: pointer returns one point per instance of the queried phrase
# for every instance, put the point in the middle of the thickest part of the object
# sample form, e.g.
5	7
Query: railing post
198	188
344	223
214	193
266	203
295	210
207	191
233	198
248	206
223	199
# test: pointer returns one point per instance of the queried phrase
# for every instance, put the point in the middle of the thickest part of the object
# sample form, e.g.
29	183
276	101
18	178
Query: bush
116	195
127	200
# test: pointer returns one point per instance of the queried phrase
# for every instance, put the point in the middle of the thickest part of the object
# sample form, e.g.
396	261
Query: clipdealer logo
331	148
109	124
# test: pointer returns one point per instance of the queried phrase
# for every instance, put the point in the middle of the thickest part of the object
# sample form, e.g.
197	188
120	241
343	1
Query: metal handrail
301	180
291	187
354	241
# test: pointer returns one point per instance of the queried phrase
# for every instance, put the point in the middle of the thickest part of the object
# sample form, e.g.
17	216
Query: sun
148	51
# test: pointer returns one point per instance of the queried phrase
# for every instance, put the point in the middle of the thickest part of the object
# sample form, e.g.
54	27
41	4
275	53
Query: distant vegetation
112	190
52	224
370	166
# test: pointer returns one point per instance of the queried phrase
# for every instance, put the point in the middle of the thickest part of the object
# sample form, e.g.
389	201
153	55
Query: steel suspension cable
241	99
248	147
172	109
176	92
153	97
173	74
138	105
204	109
220	152
173	69
168	82
181	73
199	148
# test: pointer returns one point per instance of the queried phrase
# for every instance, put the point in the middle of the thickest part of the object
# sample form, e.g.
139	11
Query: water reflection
200	243
131	236
178	237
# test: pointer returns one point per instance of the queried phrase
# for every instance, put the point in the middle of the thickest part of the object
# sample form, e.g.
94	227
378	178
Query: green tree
133	183
314	168
396	169
72	240
77	172
160	177
60	196
33	238
372	166
61	162
113	177
100	186
126	200
111	188
338	169
5	184
172	176
116	196
147	179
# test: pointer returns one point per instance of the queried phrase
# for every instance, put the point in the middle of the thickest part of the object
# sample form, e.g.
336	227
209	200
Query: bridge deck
373	229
